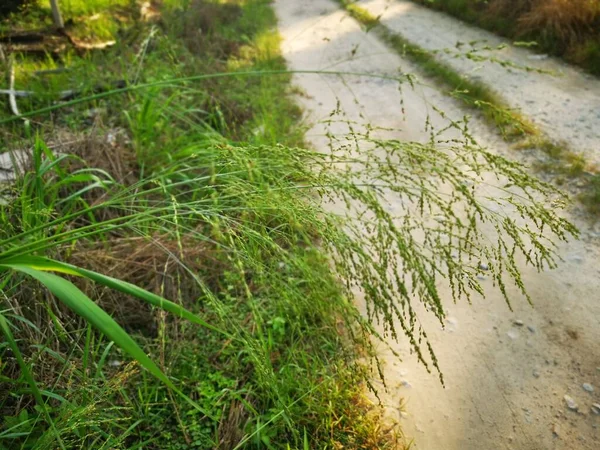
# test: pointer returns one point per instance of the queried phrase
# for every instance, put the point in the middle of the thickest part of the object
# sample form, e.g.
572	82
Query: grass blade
45	264
37	394
82	305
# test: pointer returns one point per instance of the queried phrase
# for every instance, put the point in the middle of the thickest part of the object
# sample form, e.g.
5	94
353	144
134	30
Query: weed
209	199
564	164
592	195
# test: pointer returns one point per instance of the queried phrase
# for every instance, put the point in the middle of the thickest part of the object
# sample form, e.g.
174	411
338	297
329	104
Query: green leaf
82	305
45	264
5	328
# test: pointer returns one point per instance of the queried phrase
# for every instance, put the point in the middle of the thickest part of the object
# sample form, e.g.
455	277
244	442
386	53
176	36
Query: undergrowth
198	190
155	191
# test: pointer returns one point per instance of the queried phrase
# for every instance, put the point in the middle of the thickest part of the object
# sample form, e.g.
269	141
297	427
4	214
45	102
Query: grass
196	187
592	196
94	21
268	385
562	163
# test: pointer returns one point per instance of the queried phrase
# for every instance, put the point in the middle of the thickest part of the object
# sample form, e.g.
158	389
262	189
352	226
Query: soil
506	372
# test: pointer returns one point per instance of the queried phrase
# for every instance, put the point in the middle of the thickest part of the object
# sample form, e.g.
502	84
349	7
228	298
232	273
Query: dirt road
562	101
507	373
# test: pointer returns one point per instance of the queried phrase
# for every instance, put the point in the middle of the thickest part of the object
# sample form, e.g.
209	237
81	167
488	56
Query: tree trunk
58	21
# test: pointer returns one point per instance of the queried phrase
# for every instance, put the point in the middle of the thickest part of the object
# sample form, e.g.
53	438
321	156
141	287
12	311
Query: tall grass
193	190
257	211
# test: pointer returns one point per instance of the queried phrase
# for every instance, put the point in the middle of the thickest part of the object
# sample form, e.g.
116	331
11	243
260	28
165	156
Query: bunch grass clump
257	210
173	277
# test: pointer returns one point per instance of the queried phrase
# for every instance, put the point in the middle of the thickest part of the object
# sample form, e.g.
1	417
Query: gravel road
507	372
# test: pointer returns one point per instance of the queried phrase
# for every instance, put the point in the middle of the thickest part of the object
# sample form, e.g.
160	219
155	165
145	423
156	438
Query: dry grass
159	264
568	20
510	7
231	428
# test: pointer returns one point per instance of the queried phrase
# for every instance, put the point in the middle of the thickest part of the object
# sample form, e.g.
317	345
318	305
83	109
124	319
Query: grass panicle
560	162
566	28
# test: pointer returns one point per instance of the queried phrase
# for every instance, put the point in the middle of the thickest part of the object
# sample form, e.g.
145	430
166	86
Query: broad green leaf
82	305
45	264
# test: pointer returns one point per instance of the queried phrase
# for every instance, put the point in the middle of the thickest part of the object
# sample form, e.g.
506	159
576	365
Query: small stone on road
571	403
512	334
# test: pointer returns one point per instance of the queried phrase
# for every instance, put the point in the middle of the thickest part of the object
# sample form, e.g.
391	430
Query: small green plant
592	196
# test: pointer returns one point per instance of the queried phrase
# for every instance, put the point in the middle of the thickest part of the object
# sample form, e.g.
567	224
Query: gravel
571	403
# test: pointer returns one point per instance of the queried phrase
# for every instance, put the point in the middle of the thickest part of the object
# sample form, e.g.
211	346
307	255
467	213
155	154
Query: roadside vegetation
566	28
562	164
186	191
168	275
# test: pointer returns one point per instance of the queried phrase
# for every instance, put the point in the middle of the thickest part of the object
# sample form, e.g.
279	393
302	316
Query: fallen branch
87	45
65	95
30	41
